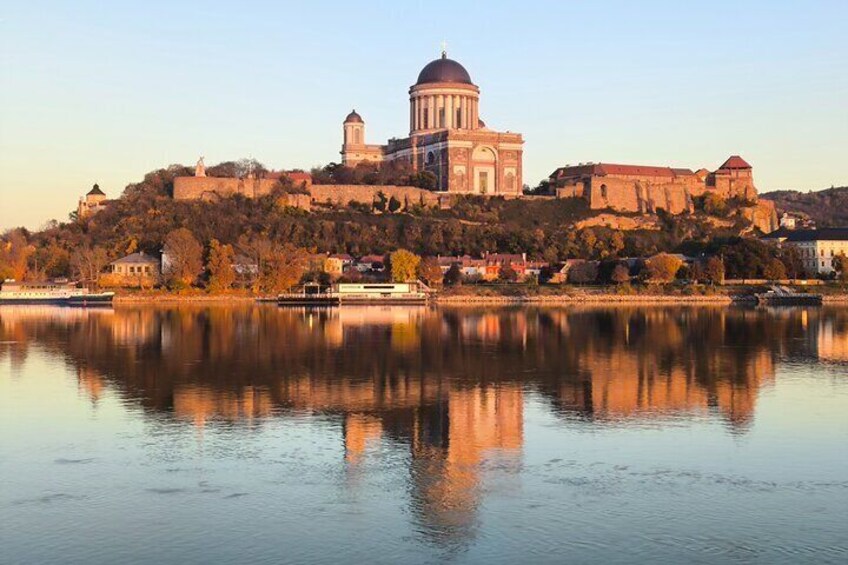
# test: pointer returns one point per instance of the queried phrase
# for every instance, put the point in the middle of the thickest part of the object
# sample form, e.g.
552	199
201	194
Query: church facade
446	137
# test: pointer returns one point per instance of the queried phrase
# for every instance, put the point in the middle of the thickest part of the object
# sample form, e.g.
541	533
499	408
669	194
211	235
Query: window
458	122
603	191
441	117
356	136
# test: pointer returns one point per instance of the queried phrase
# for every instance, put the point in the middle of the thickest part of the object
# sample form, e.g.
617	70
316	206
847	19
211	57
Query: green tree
184	258
583	273
220	266
404	265
453	277
394	204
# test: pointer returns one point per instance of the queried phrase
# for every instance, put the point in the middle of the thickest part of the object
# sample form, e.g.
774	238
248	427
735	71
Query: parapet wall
344	194
210	188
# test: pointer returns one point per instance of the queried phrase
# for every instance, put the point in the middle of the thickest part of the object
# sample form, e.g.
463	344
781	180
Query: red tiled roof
295	176
735	162
601	169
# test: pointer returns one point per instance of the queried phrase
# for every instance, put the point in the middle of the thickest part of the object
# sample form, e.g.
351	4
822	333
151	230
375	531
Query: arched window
603	191
356	136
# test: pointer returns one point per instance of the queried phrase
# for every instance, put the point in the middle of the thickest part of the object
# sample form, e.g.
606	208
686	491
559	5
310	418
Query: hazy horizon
105	94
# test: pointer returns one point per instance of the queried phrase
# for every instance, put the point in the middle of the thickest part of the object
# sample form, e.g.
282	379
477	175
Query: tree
284	267
430	271
404	265
394	204
15	252
259	249
775	270
662	268
840	265
184	258
507	274
87	263
583	273
714	270
696	272
715	205
453	277
220	266
620	274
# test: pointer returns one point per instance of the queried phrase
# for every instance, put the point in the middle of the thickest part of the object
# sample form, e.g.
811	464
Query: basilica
446	137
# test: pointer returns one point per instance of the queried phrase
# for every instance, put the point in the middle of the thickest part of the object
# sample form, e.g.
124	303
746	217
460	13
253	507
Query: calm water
198	435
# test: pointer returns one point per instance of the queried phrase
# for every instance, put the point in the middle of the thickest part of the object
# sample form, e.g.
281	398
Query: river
420	435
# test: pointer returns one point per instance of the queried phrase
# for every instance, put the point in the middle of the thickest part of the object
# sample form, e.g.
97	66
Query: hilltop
828	208
542	228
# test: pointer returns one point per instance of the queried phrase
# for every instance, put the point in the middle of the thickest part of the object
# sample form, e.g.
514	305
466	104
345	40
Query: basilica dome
443	70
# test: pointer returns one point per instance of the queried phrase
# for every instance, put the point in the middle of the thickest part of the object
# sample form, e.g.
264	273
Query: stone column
433	112
449	112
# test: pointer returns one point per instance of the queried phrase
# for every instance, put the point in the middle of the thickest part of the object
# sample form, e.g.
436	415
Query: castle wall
344	194
210	188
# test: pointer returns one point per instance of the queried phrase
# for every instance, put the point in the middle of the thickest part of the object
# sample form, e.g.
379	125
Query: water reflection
447	386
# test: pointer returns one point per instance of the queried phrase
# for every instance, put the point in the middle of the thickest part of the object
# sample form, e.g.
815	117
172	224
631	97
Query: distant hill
828	208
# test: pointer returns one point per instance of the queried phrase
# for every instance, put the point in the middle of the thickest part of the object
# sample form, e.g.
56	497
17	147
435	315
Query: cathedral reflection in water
447	385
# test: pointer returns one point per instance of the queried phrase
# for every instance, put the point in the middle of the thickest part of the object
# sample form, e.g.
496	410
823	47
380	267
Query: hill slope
829	208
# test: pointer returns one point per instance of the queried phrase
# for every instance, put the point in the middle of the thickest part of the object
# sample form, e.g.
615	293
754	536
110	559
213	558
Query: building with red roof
647	189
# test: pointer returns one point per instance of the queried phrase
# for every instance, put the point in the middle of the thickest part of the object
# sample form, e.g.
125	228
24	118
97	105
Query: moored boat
50	292
356	293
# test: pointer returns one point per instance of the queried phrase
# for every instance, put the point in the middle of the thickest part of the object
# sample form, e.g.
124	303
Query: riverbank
473	295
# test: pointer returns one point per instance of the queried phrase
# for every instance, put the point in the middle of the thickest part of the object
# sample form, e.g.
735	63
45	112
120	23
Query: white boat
357	293
51	292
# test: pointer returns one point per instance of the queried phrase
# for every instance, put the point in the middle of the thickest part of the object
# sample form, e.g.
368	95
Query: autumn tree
15	252
87	262
774	270
220	266
283	268
430	272
714	270
662	268
404	265
840	265
507	274
620	274
184	258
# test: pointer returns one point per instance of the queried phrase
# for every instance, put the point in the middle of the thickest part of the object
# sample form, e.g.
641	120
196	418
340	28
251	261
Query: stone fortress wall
214	188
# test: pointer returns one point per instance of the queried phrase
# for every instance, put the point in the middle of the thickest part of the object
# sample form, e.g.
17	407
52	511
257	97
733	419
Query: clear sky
105	92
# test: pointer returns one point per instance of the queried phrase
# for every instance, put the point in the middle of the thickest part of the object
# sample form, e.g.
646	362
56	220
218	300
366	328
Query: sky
106	92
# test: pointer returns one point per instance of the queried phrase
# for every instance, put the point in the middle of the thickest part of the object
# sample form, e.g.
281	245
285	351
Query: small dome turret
354	118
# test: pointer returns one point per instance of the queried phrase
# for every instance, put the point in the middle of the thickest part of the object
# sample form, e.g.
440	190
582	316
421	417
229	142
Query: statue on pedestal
200	169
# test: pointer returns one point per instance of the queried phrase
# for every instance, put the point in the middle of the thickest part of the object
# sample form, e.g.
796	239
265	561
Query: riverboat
55	292
356	293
